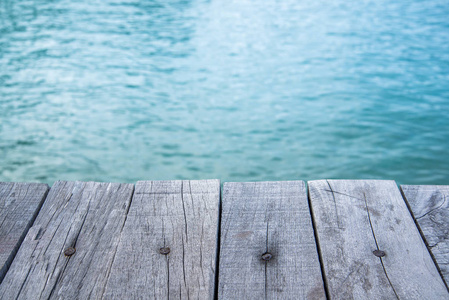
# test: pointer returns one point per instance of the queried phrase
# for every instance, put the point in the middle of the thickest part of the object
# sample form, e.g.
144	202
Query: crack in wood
23	283
60	274
108	274
168	275
184	209
182	236
201	251
56	263
335	204
266	264
183	262
81	227
377	245
340	193
434	209
434	245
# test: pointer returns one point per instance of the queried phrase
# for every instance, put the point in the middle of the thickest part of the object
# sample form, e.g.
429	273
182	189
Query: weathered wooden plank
430	207
86	216
179	217
369	243
268	217
19	205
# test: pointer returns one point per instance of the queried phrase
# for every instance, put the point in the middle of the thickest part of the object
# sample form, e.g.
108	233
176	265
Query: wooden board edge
30	223
423	237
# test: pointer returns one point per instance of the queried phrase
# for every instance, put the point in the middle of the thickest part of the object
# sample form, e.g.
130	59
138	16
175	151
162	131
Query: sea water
240	90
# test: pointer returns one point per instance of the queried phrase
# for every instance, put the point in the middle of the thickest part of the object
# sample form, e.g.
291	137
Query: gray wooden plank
19	205
355	220
86	216
274	218
181	216
429	205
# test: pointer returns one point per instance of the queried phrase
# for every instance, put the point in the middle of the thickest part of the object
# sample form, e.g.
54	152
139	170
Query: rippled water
118	90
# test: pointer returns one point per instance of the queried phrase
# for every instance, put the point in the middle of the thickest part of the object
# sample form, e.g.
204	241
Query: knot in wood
379	253
69	251
164	250
267	256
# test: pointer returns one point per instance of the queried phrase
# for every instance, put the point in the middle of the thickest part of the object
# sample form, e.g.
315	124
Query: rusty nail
164	250
69	251
267	256
379	253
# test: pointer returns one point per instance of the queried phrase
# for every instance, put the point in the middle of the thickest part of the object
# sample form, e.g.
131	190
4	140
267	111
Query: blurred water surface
125	90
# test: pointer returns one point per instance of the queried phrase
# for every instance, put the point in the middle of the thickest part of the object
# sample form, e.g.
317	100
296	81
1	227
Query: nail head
164	250
69	251
266	256
379	253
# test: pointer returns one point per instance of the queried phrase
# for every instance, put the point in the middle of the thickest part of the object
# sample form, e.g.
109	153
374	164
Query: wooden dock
338	239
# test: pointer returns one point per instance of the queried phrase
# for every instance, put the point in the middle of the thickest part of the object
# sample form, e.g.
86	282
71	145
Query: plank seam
217	254
317	244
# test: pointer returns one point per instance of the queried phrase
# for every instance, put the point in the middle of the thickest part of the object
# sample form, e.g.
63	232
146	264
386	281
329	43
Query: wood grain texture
19	205
430	207
182	216
273	217
353	219
87	216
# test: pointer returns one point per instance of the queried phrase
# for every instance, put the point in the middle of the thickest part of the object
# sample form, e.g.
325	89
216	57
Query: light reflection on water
235	90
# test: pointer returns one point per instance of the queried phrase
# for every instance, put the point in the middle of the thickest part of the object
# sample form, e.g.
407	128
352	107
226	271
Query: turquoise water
124	90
